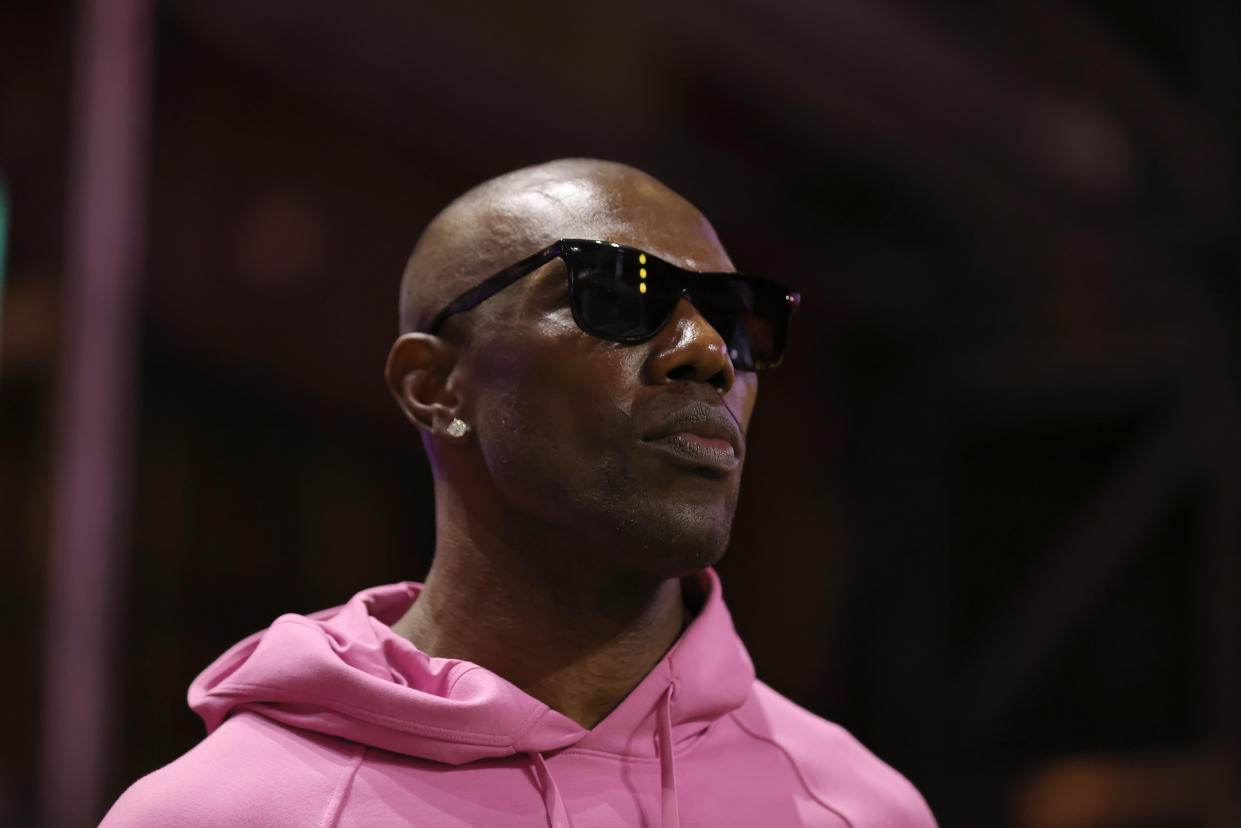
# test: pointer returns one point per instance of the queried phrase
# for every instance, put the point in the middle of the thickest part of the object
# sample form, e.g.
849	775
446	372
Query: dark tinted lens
625	295
727	304
750	314
617	295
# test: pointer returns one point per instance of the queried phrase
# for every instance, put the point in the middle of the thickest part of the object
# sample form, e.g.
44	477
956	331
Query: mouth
702	435
699	450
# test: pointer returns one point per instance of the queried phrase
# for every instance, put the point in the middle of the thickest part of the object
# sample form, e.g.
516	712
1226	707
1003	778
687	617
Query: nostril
683	372
718	380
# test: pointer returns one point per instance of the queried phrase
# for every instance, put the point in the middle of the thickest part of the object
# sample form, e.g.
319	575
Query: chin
680	543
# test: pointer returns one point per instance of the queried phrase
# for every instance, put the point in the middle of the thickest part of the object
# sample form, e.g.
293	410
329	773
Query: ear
418	369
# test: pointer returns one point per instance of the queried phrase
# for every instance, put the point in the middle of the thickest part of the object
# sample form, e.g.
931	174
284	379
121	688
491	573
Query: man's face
625	447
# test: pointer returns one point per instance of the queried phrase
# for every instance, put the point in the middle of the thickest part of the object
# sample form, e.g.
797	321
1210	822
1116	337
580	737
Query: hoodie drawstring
557	813
667	765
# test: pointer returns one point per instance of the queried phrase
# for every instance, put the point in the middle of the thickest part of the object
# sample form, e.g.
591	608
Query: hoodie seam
528	725
403	725
336	803
452	685
788	757
523	727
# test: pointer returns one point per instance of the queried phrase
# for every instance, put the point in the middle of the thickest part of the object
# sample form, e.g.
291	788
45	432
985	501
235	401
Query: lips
702	434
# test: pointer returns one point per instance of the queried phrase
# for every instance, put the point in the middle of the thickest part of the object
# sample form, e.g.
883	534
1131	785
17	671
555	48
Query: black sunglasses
623	294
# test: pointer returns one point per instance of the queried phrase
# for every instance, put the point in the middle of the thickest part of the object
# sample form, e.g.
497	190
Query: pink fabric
334	720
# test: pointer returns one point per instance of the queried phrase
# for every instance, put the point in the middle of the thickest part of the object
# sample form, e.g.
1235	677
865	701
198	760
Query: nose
689	348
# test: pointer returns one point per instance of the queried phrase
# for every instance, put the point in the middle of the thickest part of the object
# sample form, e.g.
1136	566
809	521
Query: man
581	359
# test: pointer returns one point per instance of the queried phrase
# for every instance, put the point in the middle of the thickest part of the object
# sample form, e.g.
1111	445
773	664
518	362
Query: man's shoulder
799	731
838	769
249	771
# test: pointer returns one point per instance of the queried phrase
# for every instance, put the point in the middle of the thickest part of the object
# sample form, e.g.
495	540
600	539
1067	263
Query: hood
343	672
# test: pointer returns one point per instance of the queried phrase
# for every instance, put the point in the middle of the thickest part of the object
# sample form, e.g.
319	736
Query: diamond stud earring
458	428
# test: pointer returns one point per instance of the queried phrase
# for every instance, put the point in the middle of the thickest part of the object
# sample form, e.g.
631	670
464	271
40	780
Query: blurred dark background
992	512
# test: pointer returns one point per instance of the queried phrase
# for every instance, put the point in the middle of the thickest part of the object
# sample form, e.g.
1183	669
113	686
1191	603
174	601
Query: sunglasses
623	294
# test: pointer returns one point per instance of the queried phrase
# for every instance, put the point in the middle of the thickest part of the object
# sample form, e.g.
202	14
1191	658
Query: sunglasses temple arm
495	284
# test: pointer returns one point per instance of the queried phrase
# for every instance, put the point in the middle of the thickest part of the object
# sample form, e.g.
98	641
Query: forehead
631	210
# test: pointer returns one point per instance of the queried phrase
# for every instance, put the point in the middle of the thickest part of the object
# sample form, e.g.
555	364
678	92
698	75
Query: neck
543	616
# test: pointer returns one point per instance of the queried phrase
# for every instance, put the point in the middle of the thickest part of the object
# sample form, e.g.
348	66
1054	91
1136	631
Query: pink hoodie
334	720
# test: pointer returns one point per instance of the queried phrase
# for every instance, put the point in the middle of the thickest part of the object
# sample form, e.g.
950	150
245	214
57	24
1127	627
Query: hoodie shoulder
250	771
837	769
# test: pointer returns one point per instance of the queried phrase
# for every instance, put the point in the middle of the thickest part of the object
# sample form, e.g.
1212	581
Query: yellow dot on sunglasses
641	258
642	273
641	287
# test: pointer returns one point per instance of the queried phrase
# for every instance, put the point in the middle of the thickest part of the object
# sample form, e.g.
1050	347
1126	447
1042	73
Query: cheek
553	415
741	398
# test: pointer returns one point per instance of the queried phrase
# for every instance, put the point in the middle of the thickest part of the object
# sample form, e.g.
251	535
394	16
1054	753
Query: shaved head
536	428
512	216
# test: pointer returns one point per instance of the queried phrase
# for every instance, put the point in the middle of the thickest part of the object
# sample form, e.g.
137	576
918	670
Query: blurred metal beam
1195	158
94	405
1130	504
432	71
4	236
1218	444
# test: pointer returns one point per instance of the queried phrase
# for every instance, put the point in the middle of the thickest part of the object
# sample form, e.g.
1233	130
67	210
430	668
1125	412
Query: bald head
563	431
509	217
